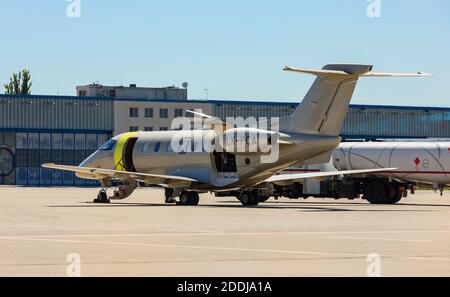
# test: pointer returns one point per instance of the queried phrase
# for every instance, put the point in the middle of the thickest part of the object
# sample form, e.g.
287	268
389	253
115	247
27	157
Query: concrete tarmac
45	231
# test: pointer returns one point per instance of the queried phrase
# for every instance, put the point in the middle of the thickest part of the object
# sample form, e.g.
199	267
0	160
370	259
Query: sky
236	49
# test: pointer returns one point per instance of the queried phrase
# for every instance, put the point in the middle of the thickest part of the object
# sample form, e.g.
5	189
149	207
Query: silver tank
423	162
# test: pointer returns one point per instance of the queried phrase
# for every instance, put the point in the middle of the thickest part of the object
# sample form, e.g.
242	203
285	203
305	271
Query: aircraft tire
102	197
189	198
249	199
194	198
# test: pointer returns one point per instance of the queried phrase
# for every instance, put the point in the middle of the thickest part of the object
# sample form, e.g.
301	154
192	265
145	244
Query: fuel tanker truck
418	163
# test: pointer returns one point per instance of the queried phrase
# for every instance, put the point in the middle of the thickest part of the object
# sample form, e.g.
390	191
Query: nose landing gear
102	197
121	192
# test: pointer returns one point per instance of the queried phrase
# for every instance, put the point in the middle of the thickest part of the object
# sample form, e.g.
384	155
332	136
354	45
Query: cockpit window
108	145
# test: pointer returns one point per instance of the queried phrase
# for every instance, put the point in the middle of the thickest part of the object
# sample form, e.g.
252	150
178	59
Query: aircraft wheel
249	199
189	198
102	197
377	193
194	198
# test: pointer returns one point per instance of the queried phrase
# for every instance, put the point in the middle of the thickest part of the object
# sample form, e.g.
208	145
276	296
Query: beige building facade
152	116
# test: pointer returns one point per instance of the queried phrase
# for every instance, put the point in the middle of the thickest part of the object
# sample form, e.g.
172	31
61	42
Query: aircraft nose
99	159
90	161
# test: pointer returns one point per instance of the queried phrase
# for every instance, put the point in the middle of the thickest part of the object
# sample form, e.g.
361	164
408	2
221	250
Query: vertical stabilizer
325	106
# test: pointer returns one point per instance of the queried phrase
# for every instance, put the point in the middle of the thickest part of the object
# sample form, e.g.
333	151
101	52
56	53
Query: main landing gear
250	198
186	198
189	198
170	193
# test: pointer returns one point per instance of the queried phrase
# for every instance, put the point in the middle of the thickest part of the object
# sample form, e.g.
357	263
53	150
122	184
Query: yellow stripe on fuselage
118	152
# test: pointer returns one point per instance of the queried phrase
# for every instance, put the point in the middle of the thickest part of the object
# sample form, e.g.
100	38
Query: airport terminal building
66	129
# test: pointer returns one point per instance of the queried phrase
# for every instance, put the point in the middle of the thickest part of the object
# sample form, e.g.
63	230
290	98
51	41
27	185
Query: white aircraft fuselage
153	153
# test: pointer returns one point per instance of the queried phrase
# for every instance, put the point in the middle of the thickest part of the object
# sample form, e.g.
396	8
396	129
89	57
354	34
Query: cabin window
192	146
157	147
146	147
169	147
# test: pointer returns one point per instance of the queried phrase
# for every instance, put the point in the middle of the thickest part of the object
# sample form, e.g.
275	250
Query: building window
178	113
22	158
82	93
149	112
163	129
163	113
134	112
148	129
134	129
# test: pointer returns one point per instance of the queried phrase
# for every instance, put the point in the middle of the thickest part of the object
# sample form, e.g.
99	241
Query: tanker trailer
417	162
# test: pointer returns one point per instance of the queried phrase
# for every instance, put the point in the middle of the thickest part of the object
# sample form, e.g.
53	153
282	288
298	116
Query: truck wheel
263	199
249	199
397	197
377	193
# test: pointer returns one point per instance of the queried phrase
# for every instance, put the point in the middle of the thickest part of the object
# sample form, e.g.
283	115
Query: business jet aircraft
308	136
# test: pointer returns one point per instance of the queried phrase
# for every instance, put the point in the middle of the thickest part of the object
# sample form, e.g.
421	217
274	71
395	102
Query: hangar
39	129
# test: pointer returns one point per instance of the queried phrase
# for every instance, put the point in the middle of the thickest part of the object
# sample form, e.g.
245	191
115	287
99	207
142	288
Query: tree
19	84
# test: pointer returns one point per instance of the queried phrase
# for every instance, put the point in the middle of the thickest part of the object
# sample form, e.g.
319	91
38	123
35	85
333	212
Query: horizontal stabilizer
396	74
325	72
316	72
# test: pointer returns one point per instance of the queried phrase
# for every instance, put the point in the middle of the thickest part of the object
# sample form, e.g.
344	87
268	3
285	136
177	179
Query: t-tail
323	110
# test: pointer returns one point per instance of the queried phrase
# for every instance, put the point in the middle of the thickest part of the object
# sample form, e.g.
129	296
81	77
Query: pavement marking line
109	243
381	239
214	233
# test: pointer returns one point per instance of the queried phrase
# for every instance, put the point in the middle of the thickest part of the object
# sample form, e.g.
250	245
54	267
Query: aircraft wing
320	175
99	173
